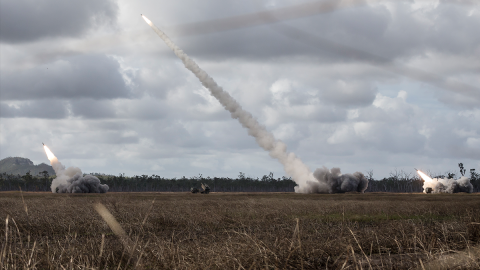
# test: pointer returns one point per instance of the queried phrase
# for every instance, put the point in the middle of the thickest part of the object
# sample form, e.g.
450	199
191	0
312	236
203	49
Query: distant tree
268	178
475	180
370	175
44	174
473	174
450	175
27	177
462	170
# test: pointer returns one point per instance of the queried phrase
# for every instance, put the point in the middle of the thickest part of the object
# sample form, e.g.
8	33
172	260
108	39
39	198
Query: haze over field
384	85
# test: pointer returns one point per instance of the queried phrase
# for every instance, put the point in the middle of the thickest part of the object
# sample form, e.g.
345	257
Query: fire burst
424	176
49	153
147	20
71	179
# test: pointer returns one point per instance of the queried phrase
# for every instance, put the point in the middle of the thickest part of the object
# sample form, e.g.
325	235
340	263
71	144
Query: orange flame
49	153
424	176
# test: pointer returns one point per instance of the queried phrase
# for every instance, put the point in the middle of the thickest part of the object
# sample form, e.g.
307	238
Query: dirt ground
239	231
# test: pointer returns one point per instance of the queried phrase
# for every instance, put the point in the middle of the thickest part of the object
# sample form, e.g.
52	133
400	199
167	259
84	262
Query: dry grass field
239	231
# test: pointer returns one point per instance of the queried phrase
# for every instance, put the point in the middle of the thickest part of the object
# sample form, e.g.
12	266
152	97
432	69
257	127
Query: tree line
398	181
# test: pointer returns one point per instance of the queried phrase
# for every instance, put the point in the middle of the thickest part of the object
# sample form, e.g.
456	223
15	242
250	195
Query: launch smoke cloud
337	182
444	185
71	179
326	182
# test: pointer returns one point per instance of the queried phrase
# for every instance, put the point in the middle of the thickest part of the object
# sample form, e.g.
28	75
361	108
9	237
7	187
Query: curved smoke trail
301	174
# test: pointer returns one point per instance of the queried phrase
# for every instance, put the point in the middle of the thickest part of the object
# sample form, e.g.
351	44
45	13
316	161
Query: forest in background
398	181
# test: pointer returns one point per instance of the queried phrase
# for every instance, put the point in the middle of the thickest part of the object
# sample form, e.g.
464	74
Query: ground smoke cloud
293	166
333	181
444	185
71	180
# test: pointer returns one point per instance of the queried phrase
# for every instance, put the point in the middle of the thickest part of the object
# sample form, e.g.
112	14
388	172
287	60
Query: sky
364	85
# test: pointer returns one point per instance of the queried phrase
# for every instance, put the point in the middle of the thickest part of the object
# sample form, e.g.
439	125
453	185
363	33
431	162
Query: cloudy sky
364	85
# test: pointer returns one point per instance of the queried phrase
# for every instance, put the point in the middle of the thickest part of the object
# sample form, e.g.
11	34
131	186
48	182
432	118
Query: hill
19	165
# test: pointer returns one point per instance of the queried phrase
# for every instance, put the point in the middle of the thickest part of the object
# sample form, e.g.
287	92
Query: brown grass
239	231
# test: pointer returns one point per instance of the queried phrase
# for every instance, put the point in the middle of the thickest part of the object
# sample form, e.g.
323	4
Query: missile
416	169
43	144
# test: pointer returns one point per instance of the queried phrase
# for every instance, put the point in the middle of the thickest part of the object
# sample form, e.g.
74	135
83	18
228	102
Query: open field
240	231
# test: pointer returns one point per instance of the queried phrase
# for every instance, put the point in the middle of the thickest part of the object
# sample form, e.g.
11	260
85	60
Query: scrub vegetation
398	181
239	231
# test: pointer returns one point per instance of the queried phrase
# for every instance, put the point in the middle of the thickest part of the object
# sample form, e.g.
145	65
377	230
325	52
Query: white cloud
331	95
341	135
362	129
474	142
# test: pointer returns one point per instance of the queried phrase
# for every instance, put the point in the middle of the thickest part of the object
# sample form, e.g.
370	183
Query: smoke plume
444	185
333	181
293	166
71	179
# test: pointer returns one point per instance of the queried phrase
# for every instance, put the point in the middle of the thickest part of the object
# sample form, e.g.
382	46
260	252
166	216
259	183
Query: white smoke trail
277	149
71	179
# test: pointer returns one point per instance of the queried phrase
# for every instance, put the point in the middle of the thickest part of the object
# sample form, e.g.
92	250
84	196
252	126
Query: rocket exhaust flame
322	181
444	185
71	179
147	20
49	153
424	176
